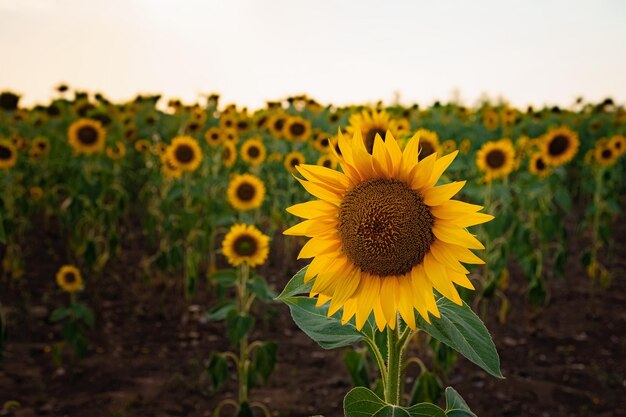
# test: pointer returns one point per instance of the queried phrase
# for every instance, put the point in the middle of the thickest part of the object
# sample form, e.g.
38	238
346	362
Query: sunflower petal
320	191
437	195
441	165
318	246
436	272
456	236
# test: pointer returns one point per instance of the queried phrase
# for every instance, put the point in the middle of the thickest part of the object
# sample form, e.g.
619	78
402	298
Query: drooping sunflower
185	153
537	166
117	151
618	144
372	123
496	159
297	129
253	151
8	154
245	192
604	154
429	143
229	154
245	244
69	278
292	160
383	235
213	137
559	146
87	136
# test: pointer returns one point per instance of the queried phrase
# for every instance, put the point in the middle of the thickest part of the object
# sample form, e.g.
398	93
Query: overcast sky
338	51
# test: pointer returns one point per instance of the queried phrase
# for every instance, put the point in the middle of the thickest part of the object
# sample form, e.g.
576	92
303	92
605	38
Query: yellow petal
456	236
388	290
366	295
405	301
318	246
437	195
446	257
441	165
379	316
409	156
436	272
321	192
471	219
460	279
313	209
464	255
322	174
423	171
453	208
423	289
380	160
394	152
349	310
346	286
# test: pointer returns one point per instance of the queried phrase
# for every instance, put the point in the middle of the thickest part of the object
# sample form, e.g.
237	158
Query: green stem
379	361
392	388
244	363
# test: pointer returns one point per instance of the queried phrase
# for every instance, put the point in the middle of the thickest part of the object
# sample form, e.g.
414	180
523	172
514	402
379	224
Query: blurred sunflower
230	135
327	161
403	126
185	153
429	143
321	142
228	121
117	151
297	128
245	192
87	136
618	144
370	124
383	235
253	151
243	124
537	166
41	144
292	160
169	169
604	154
36	193
245	244
496	159
159	148
229	154
277	125
8	154
490	119
465	146
142	146
559	146
448	146
213	137
69	279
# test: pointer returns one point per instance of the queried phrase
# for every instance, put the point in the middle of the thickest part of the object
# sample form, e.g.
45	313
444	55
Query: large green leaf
362	402
296	286
464	332
456	405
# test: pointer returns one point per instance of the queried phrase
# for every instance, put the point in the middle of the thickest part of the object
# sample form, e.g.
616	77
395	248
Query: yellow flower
142	146
87	136
321	142
8	154
537	166
169	169
185	153
277	125
245	192
36	193
297	128
292	160
229	154
370	124
618	144
383	235
496	159
213	137
465	146
429	143
604	154
490	119
69	278
245	244
448	146
116	151
253	151
327	161
559	146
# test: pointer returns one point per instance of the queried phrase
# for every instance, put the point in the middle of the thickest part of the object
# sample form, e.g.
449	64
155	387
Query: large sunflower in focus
245	192
372	123
382	234
185	153
559	146
87	136
496	159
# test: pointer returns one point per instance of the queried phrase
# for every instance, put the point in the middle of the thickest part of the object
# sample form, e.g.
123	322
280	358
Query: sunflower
142	146
213	137
253	151
169	169
618	144
403	126
604	154
297	128
496	159
448	146
321	142
559	145
429	143
87	136
327	161
245	192
117	151
277	125
245	244
243	124
537	165
36	193
383	236
159	148
228	121
69	279
8	154
229	154
185	153
465	146
41	144
230	135
370	124
292	160
490	119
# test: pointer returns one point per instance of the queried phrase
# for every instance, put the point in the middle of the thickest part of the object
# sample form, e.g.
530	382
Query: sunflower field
206	259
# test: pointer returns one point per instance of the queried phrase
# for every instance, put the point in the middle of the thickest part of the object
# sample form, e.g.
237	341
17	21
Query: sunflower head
253	151
429	143
245	192
69	279
559	146
297	129
327	161
490	119
245	244
448	146
185	153
41	144
383	235
496	159
168	168
604	154
117	151
87	136
142	146
8	154
292	160
537	165
213	137
36	193
618	144
229	154
370	124
277	124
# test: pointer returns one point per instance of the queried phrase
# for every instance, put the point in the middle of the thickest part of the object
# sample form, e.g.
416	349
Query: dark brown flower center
370	136
295	161
254	152
87	135
226	153
606	154
296	129
327	163
385	227
246	191
245	245
427	149
5	153
184	154
70	277
539	164
558	145
278	124
324	143
495	159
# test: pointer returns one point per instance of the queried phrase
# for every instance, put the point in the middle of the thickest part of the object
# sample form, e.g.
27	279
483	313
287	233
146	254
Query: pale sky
339	51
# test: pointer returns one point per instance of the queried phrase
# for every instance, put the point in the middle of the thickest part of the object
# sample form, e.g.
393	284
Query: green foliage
237	326
217	369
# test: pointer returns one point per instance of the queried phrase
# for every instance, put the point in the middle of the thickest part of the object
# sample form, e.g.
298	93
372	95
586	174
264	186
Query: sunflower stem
379	361
244	308
394	359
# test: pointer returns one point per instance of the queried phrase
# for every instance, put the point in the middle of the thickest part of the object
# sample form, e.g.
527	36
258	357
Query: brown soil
147	351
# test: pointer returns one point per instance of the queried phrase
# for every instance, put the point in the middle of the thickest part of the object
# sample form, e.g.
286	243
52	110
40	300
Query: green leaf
259	287
83	313
456	405
237	326
220	311
563	198
427	388
225	277
464	332
59	314
296	286
356	362
362	402
263	362
217	368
